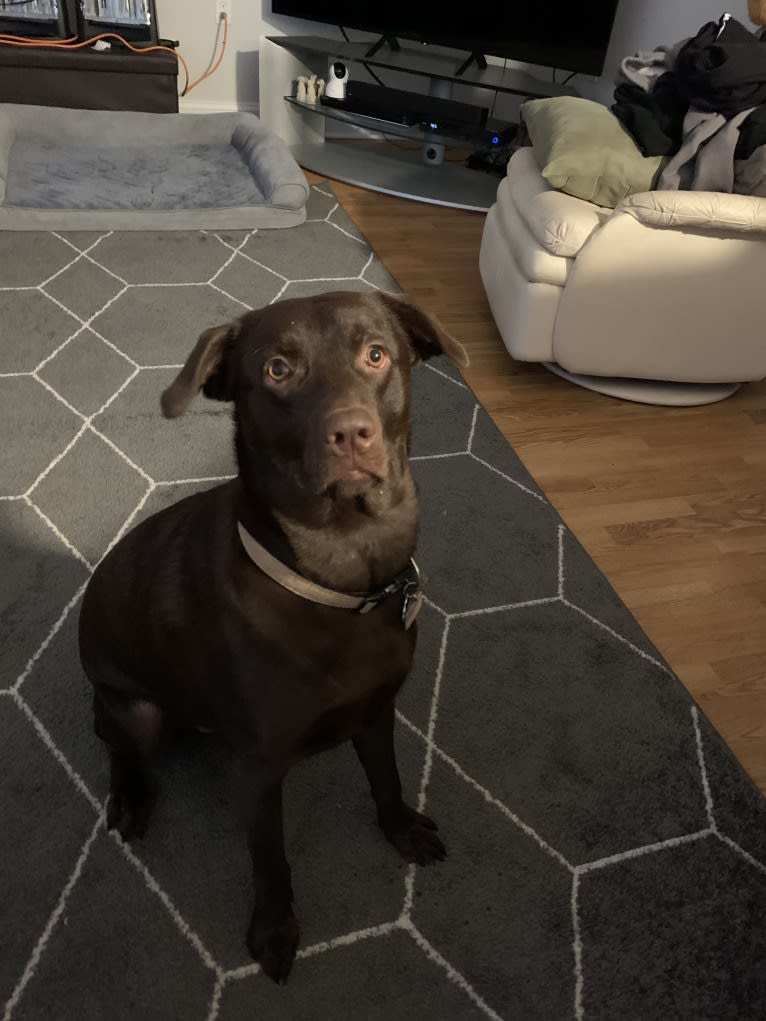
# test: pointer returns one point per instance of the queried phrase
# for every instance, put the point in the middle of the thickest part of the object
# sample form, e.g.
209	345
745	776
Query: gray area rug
607	855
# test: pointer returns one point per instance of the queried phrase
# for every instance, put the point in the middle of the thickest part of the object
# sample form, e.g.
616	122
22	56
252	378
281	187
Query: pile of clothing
702	104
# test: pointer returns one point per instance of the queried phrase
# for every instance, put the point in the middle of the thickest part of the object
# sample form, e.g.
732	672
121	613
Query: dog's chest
350	685
341	723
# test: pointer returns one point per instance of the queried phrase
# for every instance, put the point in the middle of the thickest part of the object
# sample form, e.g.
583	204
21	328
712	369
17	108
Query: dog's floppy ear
427	337
205	369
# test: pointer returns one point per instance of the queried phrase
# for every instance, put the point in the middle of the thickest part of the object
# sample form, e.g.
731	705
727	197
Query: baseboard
192	105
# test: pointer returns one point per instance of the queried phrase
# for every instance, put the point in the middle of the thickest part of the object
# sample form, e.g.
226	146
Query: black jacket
722	73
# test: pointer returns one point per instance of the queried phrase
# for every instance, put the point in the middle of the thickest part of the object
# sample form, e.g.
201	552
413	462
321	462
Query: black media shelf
454	136
390	167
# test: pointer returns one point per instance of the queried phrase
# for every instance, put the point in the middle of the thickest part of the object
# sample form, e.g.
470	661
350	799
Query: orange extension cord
72	44
216	65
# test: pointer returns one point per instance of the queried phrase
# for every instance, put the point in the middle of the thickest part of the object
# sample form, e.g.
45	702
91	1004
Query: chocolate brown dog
276	609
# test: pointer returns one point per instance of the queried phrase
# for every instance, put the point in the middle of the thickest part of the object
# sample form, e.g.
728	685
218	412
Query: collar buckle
408	583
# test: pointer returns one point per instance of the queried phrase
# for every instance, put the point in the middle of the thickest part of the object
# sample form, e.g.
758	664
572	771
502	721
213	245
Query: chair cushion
583	150
560	223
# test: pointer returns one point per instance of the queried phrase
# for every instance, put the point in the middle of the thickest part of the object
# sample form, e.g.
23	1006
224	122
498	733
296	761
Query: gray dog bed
66	169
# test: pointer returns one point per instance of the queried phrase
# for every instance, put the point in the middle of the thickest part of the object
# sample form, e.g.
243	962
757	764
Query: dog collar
408	583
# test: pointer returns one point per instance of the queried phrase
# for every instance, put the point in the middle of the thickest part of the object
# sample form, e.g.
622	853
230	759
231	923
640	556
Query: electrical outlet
223	7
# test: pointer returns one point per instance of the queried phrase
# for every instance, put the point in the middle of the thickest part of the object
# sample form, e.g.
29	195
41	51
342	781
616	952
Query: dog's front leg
272	937
412	834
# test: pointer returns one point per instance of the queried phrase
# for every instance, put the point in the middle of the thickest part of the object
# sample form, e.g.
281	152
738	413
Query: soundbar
413	109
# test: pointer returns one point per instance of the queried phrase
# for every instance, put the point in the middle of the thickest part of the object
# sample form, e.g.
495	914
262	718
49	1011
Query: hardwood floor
670	503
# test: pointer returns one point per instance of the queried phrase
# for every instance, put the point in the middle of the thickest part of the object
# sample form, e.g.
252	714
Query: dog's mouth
352	480
359	474
354	471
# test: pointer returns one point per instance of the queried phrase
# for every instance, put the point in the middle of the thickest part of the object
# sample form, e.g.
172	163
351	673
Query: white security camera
337	76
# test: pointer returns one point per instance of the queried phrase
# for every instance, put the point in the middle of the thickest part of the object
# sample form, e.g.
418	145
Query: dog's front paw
128	811
414	836
273	945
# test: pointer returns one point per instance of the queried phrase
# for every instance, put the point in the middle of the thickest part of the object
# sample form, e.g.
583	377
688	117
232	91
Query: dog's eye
278	370
376	356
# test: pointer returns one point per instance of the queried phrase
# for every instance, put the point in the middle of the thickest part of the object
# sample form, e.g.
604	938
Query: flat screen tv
551	33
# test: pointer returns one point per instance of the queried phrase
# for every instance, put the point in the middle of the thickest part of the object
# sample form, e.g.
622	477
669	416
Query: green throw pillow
583	150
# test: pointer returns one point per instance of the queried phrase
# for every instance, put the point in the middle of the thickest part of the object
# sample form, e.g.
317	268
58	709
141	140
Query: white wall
640	25
235	84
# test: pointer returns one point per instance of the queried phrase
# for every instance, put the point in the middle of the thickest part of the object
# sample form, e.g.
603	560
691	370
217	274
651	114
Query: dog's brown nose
351	431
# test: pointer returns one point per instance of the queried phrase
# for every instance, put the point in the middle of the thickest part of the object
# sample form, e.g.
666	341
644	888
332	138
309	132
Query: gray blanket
645	67
750	174
705	160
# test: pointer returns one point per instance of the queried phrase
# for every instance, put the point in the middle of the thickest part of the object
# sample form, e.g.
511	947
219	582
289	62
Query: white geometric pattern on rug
403	923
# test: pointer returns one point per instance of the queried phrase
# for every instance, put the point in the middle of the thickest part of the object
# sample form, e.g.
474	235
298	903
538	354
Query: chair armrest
712	210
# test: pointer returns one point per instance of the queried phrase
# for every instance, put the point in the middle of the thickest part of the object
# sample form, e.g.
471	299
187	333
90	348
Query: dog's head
321	392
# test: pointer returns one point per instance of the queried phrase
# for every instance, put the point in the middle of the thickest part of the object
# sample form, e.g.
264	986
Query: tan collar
408	583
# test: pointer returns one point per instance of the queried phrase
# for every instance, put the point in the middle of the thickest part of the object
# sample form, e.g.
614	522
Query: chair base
650	391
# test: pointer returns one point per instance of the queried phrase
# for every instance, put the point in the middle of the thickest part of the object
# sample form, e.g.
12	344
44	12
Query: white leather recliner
661	300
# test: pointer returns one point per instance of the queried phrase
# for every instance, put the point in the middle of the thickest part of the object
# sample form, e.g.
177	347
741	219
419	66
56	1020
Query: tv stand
478	58
397	169
385	40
